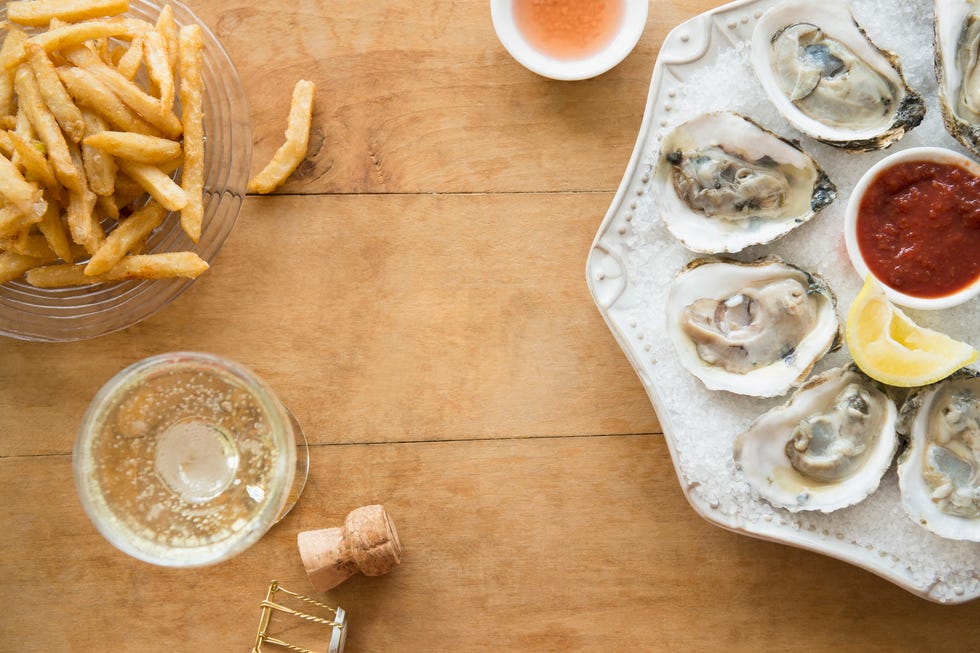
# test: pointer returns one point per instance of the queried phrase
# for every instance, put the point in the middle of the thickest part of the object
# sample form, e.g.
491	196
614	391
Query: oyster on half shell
750	328
723	182
957	59
939	473
829	79
826	448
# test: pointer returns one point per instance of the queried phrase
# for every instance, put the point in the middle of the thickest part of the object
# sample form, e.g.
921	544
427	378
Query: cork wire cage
78	313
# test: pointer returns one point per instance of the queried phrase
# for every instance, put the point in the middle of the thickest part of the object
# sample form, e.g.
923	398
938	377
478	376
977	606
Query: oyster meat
723	182
826	448
829	80
750	328
939	473
957	59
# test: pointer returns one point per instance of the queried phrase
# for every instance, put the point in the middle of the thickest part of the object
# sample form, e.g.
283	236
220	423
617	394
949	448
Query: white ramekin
928	154
630	29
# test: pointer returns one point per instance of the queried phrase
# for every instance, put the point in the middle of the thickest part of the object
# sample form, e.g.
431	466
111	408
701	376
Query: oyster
939	473
826	448
957	32
750	328
829	80
723	183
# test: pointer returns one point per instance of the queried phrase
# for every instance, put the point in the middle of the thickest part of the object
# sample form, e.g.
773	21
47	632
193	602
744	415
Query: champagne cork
366	543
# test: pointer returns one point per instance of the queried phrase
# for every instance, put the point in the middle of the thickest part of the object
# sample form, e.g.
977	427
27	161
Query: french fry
142	266
130	62
29	99
168	28
158	68
39	13
82	223
13	266
160	187
291	153
53	230
62	35
37	166
107	207
53	92
100	167
127	234
22	196
12	44
22	126
147	106
135	147
12	221
90	92
191	45
27	244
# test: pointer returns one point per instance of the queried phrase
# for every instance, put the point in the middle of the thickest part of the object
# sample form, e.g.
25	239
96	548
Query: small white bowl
928	154
630	28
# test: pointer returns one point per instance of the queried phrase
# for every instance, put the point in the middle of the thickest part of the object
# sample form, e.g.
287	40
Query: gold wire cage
336	621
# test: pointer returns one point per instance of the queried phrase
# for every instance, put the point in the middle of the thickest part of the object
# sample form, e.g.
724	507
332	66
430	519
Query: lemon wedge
893	349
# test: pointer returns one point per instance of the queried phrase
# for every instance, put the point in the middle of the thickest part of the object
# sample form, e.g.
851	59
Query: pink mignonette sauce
568	29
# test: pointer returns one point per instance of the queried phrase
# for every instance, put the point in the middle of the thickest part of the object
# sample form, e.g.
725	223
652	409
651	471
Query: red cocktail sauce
918	228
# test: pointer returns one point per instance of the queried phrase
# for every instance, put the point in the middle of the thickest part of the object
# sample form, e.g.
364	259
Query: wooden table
416	295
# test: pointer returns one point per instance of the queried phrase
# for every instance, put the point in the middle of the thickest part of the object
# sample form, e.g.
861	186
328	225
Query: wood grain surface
416	296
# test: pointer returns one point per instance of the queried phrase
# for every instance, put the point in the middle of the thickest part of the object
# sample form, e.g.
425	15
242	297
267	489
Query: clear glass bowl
63	314
186	459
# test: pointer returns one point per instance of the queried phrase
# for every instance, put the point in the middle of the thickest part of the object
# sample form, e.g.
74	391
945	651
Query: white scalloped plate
939	570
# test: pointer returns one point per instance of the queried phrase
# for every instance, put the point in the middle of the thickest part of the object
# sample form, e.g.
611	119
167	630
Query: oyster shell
957	41
829	80
751	328
939	473
723	182
824	449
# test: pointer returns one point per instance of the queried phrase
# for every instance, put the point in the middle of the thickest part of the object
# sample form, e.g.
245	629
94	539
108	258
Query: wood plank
568	544
377	318
423	97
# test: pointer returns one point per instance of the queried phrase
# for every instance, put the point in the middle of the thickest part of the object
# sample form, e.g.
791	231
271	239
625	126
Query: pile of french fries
88	128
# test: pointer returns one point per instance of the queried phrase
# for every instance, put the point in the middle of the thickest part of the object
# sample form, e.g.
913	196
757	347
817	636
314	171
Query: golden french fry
27	244
161	187
130	62
53	92
158	67
90	92
135	147
85	229
18	193
23	126
291	153
36	165
100	167
147	106
13	266
38	13
141	266
127	233
191	45
107	207
168	28
6	145
12	45
29	99
67	35
53	230
12	221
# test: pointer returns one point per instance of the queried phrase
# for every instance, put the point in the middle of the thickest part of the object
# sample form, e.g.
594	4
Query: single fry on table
291	153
